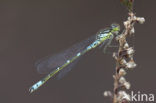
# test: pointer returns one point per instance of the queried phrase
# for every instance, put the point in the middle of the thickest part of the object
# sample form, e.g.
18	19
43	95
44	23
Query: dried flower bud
141	20
132	31
107	94
126	45
126	23
130	51
123	62
122	72
122	80
130	65
134	17
127	85
122	95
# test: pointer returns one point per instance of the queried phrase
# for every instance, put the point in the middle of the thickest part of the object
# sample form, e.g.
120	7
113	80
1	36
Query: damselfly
62	63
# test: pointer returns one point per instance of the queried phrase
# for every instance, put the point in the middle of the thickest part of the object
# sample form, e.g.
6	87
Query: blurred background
30	30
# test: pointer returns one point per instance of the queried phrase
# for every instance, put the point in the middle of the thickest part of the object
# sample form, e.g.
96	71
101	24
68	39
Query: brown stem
124	54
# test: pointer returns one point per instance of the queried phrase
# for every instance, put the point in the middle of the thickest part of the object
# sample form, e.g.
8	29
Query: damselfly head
115	28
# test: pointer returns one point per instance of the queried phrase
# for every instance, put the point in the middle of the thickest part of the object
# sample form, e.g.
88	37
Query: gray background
30	30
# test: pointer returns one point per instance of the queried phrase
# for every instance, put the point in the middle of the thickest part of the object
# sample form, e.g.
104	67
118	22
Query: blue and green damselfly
62	62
